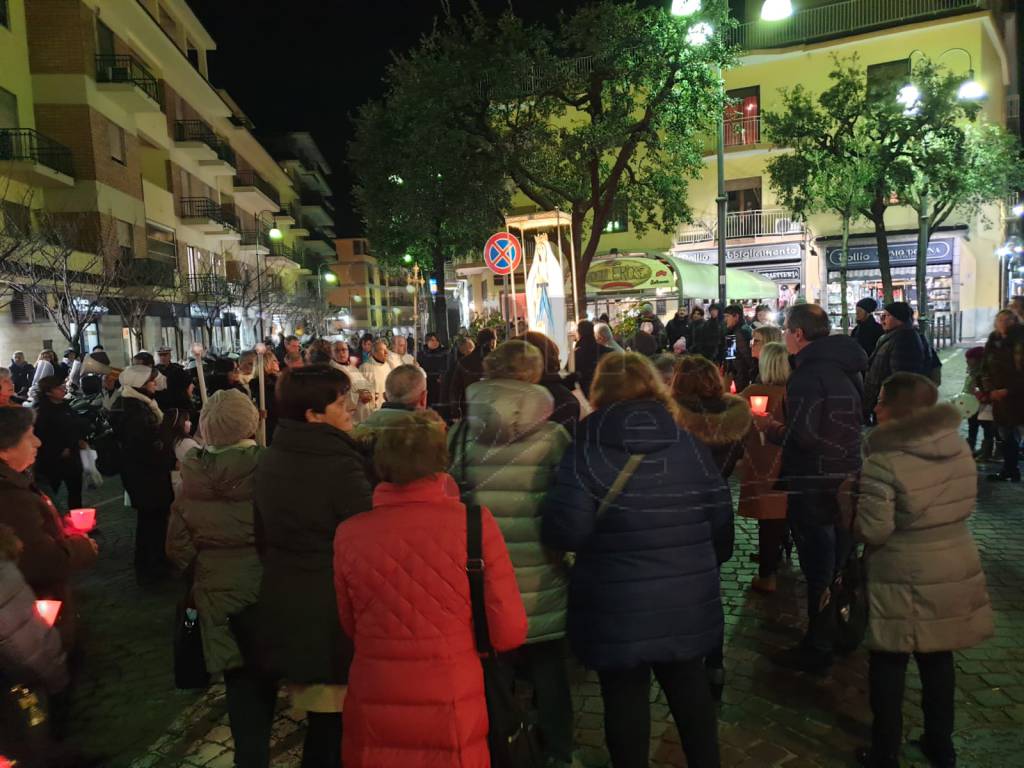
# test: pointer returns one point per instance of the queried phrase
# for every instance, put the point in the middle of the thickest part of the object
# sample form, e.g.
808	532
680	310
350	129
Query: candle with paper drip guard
83	520
197	352
759	407
48	610
261	435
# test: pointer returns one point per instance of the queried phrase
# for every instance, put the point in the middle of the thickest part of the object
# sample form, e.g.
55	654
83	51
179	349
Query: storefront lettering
900	254
746	254
627	274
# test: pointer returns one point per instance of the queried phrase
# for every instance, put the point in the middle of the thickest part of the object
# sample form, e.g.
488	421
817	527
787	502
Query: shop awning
700	281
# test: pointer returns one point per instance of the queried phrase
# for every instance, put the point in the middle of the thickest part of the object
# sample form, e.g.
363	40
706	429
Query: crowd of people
594	507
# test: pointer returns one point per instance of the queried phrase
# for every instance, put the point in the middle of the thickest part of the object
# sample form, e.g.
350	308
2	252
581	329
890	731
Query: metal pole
723	200
522	242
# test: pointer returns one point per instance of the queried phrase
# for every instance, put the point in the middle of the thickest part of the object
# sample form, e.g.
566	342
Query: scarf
133	394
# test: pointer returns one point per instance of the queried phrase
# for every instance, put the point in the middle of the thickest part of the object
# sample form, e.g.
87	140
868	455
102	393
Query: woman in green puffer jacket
212	531
504	455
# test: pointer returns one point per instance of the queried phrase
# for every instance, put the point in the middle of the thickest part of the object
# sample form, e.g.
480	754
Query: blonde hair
515	359
774	364
769	334
412	447
622	376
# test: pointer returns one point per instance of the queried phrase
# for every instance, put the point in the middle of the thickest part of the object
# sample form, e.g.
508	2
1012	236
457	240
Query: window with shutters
115	135
22	309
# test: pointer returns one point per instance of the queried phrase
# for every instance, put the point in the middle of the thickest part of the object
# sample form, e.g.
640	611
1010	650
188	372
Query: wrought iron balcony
28	145
198	131
253	179
209	210
150	272
743	131
310	199
767	222
279	250
200	286
127	69
844	19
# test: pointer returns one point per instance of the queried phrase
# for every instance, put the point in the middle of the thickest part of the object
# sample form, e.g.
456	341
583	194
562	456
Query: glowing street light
909	96
776	10
971	89
699	33
685	7
407	258
275	233
1018	209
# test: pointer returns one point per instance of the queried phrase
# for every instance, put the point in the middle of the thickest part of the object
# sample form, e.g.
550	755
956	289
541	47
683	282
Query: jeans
1011	450
544	665
816	544
770	535
627	721
250	698
322	747
887	674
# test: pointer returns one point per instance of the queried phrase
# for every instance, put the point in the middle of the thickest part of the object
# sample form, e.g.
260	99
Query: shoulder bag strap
620	483
475	571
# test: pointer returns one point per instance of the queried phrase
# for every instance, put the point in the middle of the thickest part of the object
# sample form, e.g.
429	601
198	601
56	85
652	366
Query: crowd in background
595	506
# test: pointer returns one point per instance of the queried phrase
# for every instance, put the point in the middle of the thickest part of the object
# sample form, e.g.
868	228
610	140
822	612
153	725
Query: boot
985	454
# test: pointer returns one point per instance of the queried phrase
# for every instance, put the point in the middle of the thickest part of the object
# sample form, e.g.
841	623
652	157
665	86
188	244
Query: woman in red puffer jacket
416	689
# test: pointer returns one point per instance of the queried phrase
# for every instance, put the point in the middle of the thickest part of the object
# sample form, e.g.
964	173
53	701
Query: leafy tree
422	188
140	284
952	163
609	109
831	168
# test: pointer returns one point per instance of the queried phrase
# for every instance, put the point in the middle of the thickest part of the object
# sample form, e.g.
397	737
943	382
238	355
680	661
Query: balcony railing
208	285
205	208
28	144
845	19
309	198
127	69
197	130
743	131
253	179
756	223
256	237
150	272
282	251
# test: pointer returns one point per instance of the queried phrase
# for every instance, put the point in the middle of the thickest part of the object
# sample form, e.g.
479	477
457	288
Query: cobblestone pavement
125	707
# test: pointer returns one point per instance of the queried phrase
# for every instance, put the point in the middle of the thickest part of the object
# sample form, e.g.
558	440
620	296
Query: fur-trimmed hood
715	423
931	433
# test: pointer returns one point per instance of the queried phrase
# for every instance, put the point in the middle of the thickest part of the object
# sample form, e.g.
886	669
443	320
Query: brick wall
69	124
61	37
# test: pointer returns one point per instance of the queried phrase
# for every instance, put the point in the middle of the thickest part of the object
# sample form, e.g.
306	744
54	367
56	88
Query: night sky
309	64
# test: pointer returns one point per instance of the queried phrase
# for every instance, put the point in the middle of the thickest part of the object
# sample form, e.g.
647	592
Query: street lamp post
414	284
321	277
698	34
274	234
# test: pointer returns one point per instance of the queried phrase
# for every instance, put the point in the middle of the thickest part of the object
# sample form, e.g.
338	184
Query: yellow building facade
801	257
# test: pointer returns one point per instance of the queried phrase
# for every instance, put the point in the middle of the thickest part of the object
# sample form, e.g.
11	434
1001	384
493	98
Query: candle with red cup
759	407
48	610
83	520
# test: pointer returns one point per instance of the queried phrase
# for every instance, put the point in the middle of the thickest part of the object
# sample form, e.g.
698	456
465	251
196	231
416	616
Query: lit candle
732	387
83	520
48	610
759	404
197	352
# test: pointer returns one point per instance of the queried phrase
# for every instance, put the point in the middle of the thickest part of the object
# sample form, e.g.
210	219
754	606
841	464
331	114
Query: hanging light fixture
971	89
685	7
699	33
776	10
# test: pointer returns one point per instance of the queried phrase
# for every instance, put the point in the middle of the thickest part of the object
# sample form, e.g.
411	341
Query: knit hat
901	311
974	353
869	305
136	376
227	417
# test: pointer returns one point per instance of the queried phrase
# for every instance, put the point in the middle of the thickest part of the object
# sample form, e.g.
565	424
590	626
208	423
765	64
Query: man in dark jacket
62	436
433	359
868	331
678	326
708	338
22	372
821	442
739	363
469	370
900	348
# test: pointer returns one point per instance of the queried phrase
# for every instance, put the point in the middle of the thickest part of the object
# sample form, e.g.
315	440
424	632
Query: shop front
782	263
864	277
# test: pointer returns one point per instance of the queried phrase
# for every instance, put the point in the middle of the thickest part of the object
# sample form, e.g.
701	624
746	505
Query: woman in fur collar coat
720	421
926	589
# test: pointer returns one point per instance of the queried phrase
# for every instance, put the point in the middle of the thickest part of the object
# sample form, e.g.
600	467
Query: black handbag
849	602
511	741
189	662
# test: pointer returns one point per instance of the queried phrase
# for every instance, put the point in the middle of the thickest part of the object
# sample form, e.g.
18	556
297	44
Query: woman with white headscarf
146	464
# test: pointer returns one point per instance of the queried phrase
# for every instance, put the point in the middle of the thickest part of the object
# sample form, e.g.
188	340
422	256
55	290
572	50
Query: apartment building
118	94
367	297
967	261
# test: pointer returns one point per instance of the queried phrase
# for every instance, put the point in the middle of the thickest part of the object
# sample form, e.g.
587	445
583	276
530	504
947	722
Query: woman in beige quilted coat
926	589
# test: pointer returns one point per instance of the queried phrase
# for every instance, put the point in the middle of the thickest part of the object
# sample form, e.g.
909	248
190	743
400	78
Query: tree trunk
844	261
923	236
877	217
579	289
440	303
